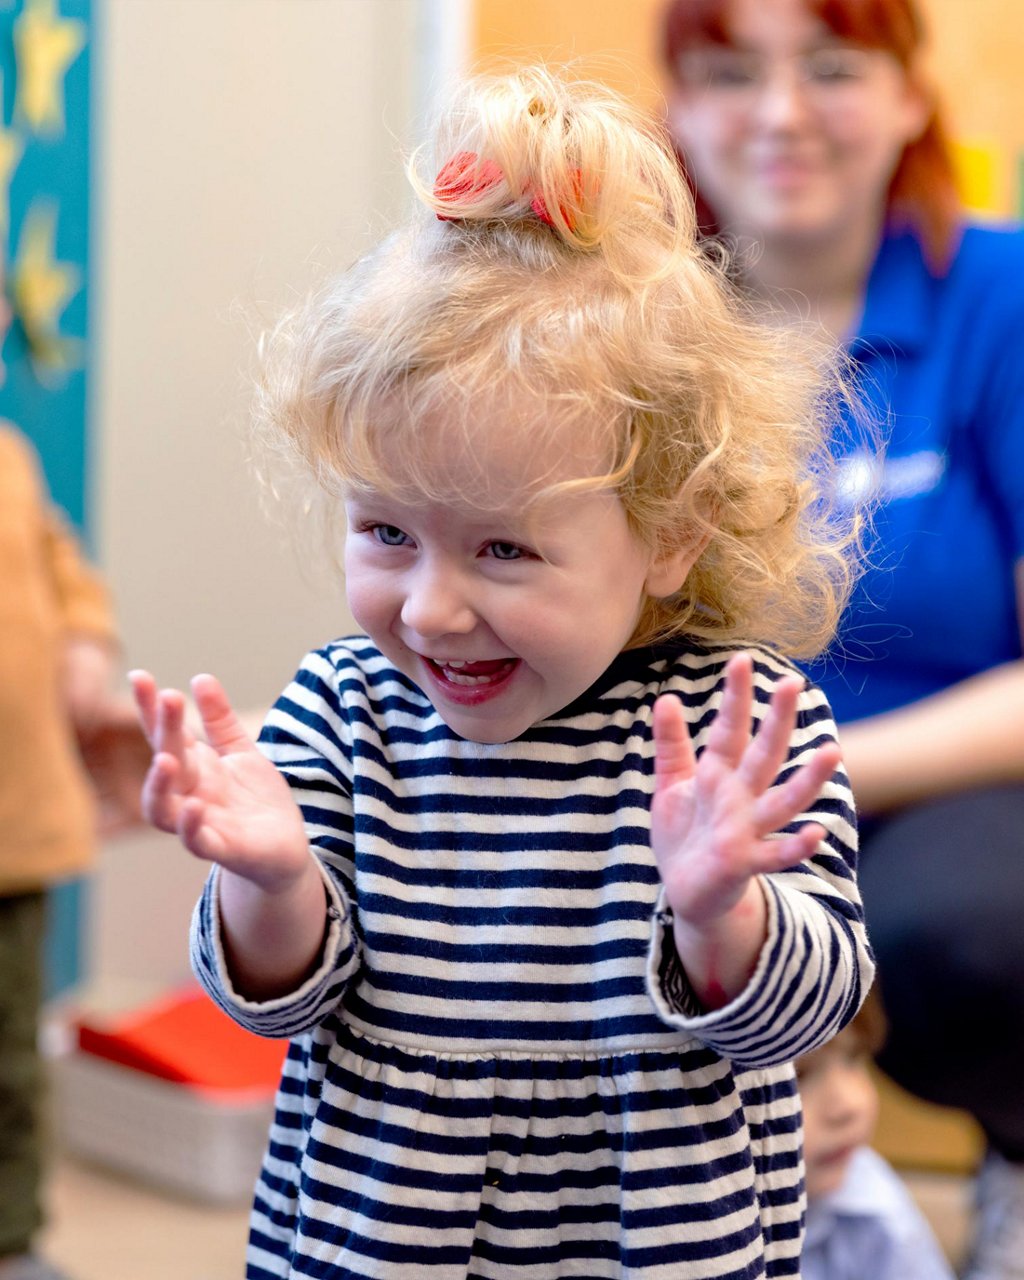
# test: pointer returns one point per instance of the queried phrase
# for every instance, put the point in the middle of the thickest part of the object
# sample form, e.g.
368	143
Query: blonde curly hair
557	263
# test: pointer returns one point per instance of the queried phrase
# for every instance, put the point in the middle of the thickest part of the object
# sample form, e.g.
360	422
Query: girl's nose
438	603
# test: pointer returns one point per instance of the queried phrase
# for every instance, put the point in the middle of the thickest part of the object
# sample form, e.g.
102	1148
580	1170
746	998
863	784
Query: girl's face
791	133
501	620
840	1106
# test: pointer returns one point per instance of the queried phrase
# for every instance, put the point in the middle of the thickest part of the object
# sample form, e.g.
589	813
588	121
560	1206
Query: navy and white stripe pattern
499	1067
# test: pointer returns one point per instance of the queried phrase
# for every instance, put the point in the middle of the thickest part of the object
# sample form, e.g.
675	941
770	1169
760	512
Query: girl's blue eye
506	551
389	534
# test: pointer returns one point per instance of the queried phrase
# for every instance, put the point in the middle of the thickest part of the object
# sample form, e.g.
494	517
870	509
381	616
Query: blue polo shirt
941	360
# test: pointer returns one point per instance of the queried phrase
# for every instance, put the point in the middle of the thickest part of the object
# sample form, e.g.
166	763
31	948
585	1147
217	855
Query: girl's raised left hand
713	820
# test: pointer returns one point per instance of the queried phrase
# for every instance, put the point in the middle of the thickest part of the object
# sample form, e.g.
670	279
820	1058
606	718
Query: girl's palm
713	821
223	798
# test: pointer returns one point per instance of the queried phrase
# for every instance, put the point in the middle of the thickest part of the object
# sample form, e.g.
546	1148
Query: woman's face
791	133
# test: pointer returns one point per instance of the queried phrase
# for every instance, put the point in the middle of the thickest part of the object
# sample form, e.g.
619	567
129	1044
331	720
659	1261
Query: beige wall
245	147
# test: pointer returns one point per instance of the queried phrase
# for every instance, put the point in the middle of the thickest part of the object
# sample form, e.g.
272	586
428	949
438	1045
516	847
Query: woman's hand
223	798
712	819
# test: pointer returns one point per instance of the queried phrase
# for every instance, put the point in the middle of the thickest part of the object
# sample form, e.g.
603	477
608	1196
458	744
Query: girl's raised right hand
223	798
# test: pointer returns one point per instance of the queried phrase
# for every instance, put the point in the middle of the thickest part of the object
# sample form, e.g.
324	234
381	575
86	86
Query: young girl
554	875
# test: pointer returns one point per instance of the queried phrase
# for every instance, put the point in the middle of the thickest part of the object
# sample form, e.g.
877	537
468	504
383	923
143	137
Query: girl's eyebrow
495	526
362	500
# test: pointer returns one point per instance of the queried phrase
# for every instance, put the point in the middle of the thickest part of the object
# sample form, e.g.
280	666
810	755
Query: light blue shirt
870	1229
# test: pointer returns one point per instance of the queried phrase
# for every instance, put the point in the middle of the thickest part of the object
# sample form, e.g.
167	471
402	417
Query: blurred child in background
862	1222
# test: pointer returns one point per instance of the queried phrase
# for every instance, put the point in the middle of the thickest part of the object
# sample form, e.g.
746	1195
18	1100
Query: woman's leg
943	888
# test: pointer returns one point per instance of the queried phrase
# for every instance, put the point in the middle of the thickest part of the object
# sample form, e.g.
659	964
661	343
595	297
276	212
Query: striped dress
498	1068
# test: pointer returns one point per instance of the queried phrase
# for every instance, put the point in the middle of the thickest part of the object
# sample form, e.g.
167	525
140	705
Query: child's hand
117	757
710	819
225	800
86	679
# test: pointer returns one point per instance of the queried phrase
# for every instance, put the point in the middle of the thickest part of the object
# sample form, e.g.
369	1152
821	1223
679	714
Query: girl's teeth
455	673
457	677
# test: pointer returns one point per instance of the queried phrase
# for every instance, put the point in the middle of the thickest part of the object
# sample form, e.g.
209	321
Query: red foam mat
188	1039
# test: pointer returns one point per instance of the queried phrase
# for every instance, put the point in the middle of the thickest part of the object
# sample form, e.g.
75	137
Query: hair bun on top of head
533	145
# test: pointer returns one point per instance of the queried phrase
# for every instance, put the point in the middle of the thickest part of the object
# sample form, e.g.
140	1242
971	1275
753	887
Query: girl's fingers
170	724
730	731
173	737
782	804
195	835
145	694
766	755
224	730
161	800
165	808
174	773
673	751
791	850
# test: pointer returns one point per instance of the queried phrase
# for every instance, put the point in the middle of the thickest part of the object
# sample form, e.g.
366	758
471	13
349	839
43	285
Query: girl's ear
669	568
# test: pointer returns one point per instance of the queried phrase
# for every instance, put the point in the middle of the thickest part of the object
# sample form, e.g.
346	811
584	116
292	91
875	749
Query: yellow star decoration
40	290
45	45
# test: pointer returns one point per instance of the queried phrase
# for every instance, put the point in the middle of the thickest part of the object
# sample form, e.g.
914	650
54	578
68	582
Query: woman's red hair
923	193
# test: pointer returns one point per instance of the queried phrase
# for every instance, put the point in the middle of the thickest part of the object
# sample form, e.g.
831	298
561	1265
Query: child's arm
230	805
710	823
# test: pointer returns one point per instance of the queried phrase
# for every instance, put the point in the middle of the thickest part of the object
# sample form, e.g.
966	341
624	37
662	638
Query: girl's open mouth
471	683
470	674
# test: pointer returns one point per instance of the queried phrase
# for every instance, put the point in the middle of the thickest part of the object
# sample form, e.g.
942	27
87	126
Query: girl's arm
713	823
230	805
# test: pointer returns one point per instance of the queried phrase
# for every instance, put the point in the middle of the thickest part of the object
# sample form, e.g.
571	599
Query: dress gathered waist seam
470	1051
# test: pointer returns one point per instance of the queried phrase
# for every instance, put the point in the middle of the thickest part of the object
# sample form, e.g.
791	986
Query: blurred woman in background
816	153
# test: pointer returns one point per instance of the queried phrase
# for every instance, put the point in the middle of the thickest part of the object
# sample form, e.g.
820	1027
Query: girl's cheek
360	594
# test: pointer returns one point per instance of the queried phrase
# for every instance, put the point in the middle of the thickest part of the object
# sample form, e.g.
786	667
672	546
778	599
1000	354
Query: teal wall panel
45	138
